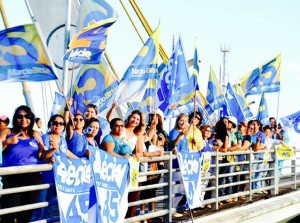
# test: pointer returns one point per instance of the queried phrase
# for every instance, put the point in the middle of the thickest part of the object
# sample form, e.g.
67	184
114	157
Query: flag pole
26	89
66	44
147	27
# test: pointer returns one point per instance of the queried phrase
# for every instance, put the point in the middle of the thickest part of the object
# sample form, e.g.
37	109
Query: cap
5	119
233	120
158	112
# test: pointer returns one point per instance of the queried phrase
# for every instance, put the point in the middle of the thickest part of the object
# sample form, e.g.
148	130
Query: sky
253	32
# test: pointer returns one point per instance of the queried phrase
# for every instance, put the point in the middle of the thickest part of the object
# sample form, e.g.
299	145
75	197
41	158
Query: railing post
272	173
215	181
293	171
168	177
276	174
251	159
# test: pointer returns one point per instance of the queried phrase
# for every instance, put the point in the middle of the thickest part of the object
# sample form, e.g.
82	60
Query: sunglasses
78	119
116	126
23	116
55	123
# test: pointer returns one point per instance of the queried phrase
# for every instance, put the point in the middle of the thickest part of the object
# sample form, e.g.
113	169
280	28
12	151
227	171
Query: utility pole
225	75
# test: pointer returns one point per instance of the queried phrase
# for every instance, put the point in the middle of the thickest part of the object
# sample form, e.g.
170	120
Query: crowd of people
73	134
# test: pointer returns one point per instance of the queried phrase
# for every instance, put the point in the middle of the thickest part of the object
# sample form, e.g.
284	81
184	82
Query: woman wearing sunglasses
114	143
21	146
82	144
74	129
56	144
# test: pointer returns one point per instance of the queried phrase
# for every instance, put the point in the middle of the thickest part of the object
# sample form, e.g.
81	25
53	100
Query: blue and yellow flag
174	79
142	70
234	105
262	114
96	85
242	101
23	56
215	96
187	92
264	78
88	45
94	10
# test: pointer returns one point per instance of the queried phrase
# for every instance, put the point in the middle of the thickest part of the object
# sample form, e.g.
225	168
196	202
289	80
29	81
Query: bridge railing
289	177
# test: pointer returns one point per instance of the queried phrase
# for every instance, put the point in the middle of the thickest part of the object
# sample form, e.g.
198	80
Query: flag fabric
59	101
23	55
234	105
143	69
242	101
88	45
111	175
96	85
215	96
185	93
73	195
264	78
94	10
191	176
291	125
263	115
174	76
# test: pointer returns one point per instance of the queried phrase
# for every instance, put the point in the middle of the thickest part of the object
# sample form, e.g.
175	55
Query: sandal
243	197
209	206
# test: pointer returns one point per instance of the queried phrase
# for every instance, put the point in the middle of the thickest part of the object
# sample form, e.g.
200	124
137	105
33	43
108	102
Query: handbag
152	167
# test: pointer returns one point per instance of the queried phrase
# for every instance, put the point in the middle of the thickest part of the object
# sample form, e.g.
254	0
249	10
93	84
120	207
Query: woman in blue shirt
21	146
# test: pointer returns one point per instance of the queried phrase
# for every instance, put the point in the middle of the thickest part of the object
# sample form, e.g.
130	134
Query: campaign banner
285	152
72	180
190	168
111	177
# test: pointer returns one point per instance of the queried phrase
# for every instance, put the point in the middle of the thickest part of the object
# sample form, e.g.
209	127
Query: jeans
257	175
222	180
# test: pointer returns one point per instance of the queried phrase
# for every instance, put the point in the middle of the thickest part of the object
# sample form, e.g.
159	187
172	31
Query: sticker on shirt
33	144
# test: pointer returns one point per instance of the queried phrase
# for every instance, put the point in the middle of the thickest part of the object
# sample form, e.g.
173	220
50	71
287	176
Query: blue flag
292	121
96	85
242	101
186	92
263	115
174	76
234	105
264	78
23	56
88	45
142	70
59	101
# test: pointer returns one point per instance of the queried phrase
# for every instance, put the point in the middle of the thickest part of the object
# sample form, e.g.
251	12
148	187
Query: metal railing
290	174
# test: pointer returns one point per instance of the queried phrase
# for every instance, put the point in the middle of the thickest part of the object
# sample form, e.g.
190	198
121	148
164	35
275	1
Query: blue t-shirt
183	143
25	152
121	147
262	140
72	142
81	145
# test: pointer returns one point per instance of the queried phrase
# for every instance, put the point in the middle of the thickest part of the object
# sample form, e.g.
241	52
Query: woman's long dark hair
16	127
159	126
221	131
139	128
